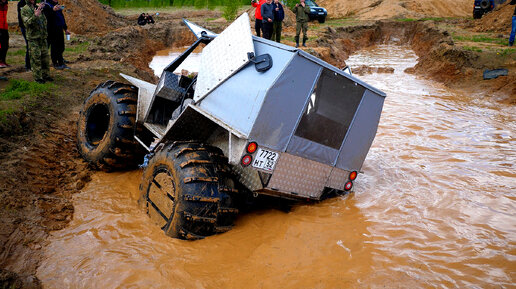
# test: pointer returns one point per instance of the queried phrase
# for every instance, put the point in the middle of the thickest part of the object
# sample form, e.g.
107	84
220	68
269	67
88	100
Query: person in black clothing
142	20
513	30
268	18
56	26
150	20
20	5
279	15
145	19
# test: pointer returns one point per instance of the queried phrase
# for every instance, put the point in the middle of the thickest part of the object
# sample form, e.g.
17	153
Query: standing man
20	5
268	19
279	15
36	26
257	15
56	26
513	30
301	10
4	33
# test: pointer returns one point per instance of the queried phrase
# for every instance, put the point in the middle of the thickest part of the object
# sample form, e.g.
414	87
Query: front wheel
322	19
186	192
105	129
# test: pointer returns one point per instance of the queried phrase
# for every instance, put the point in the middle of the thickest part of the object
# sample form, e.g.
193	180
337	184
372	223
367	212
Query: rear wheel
105	129
477	14
186	190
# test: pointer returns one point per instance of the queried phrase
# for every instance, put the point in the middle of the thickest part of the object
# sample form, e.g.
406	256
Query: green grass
16	89
437	19
19	52
197	4
481	38
506	52
472	48
79	48
406	19
4	113
341	22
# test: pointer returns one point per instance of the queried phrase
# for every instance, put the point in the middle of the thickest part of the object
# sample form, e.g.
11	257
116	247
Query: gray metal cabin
319	120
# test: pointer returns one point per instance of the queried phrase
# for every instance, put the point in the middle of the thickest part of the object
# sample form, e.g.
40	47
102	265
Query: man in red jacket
257	15
4	33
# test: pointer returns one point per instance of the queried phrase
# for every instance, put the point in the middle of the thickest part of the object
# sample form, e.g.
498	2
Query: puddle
164	57
435	207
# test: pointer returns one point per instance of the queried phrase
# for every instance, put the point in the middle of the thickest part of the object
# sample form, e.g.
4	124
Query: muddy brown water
435	207
164	57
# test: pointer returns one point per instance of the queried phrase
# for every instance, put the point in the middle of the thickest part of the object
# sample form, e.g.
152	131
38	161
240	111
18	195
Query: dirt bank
439	57
496	21
387	9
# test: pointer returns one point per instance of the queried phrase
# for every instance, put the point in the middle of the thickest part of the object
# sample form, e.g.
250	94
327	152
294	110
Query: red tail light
246	160
353	175
348	186
251	147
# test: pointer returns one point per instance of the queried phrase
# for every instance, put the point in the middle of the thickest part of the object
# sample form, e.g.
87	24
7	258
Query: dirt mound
138	44
86	16
498	20
365	69
385	9
439	58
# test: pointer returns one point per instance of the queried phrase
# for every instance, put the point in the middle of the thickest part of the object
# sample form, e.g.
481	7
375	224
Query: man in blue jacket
277	24
513	30
56	26
267	18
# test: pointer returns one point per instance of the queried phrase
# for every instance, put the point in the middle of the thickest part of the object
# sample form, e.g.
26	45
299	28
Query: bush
230	10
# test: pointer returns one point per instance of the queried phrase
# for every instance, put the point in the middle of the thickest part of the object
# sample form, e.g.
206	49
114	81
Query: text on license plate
265	159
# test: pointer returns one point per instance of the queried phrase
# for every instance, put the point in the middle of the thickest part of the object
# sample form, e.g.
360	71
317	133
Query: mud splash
434	207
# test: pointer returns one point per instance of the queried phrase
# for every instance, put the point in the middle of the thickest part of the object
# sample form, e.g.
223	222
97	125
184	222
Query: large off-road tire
186	190
105	129
477	14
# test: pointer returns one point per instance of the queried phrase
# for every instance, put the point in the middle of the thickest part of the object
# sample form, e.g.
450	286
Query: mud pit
434	207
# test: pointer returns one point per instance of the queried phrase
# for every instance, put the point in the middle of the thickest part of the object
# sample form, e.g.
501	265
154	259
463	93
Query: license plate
265	159
321	13
477	7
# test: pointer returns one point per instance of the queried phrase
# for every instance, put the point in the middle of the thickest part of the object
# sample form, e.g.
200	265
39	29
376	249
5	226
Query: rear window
330	109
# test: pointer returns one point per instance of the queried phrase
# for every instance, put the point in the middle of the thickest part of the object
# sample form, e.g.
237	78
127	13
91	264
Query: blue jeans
513	31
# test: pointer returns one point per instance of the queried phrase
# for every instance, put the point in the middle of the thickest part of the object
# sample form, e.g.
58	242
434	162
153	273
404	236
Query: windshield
311	3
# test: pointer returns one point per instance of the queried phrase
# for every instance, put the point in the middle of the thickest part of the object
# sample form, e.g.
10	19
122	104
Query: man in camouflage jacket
301	10
36	29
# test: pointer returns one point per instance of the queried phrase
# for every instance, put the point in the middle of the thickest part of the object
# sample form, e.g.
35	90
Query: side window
330	110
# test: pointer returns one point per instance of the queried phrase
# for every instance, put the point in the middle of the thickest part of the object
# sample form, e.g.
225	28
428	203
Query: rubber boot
297	41
304	41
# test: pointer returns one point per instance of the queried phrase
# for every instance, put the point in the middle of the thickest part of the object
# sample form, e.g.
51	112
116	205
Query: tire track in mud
37	181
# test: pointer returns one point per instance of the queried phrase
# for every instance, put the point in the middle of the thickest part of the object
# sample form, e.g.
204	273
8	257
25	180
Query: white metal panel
224	56
145	93
197	30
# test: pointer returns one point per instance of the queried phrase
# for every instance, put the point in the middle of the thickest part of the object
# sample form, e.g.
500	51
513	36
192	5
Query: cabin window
330	109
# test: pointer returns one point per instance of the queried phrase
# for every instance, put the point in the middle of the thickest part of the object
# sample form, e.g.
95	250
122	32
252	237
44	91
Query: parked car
482	7
316	12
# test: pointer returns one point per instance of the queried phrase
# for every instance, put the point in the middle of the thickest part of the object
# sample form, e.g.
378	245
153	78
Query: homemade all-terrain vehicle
259	118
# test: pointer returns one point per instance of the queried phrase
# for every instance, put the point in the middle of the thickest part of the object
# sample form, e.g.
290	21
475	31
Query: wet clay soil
435	207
